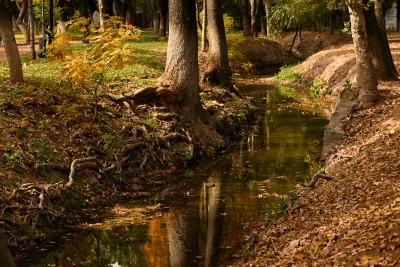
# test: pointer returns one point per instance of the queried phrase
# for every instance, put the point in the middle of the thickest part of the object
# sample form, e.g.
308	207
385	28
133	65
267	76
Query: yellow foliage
108	48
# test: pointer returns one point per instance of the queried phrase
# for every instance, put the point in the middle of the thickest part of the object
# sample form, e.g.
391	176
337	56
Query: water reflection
212	205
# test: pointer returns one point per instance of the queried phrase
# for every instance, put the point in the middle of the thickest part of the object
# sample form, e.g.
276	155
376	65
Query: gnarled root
317	176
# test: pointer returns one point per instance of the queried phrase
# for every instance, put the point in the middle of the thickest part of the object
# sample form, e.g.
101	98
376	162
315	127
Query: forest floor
354	218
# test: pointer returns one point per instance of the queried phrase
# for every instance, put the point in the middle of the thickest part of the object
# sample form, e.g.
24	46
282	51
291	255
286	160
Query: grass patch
288	74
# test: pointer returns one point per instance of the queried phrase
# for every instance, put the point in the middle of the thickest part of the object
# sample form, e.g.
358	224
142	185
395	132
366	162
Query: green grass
287	73
148	64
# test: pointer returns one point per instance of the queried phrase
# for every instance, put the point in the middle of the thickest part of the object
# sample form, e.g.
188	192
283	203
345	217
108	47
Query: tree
365	92
246	18
6	259
253	15
31	29
204	41
163	4
179	84
366	81
218	71
378	43
10	45
23	8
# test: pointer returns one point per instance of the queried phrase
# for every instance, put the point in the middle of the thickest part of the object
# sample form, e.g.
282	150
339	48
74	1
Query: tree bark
23	8
204	40
366	80
181	74
163	17
218	71
377	40
268	16
10	45
101	11
359	96
253	15
263	17
246	18
32	29
6	259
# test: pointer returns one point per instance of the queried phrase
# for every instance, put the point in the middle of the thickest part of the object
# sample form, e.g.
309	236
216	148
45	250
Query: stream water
206	218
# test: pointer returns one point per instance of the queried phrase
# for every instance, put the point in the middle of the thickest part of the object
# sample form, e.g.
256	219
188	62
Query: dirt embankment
352	219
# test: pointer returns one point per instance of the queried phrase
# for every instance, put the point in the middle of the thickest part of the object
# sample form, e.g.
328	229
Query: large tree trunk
6	259
365	93
366	80
10	45
254	15
23	8
182	72
163	4
218	71
377	40
246	18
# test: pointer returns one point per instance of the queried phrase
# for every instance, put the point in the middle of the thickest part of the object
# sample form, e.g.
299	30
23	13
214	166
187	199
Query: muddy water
209	212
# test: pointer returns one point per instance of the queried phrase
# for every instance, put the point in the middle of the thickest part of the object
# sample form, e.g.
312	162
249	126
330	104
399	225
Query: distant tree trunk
398	15
253	16
218	71
32	29
23	8
268	16
144	14
6	259
263	19
10	45
163	4
332	23
204	40
378	43
246	18
101	11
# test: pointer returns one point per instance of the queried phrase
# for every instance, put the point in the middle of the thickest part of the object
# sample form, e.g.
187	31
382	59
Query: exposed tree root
317	176
73	168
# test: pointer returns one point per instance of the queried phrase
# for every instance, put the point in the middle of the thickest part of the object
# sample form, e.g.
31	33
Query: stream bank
201	214
353	219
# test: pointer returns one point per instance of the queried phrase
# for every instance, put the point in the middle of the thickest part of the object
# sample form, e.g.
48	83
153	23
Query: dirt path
23	50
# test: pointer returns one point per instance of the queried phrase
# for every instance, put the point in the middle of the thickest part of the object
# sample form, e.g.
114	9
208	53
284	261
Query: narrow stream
210	212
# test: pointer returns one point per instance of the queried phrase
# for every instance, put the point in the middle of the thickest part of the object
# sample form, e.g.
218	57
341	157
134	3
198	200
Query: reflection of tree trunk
212	198
182	238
